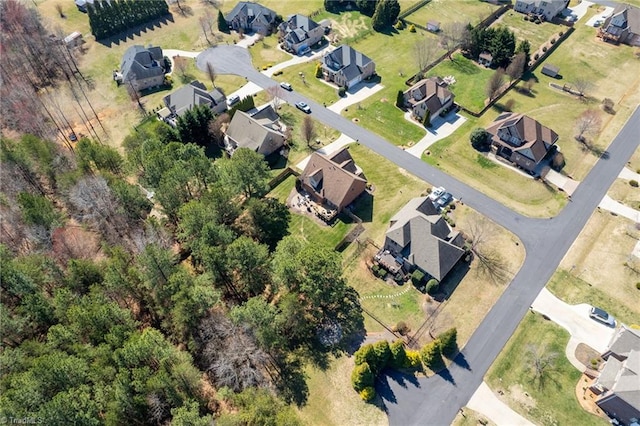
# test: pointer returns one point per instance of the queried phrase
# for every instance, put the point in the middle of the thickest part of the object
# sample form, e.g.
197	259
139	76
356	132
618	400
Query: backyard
546	397
447	11
537	34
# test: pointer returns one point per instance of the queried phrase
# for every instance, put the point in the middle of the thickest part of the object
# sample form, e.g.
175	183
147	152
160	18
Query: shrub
607	105
561	33
526	18
508	105
364	354
412	28
401	327
382	355
633	183
417	276
536	56
558	161
367	394
448	342
431	355
318	70
399	25
375	269
413	359
544	48
342	92
400	99
480	139
638	286
432	286
398	355
362	377
553	40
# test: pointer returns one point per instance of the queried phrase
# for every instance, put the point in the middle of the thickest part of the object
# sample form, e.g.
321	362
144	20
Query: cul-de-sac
320	212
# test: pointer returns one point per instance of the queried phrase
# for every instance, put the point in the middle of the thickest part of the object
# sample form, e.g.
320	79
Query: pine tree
426	120
222	23
400	99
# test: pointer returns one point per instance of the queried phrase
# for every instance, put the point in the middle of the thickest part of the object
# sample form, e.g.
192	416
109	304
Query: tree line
110	17
383	13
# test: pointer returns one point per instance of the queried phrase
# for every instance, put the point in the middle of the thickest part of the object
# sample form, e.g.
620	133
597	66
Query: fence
413	9
277	180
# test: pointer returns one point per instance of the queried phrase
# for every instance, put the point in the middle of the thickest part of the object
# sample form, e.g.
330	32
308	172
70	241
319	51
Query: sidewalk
620	209
485	402
441	128
334	146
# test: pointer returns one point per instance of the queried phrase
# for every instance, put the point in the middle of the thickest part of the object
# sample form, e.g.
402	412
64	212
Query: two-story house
189	96
299	33
250	16
347	67
544	9
261	132
623	26
142	67
429	94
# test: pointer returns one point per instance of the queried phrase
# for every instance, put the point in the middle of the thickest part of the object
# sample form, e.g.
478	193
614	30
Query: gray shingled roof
191	95
141	62
535	136
344	56
624	341
261	133
631	15
427	240
250	9
296	28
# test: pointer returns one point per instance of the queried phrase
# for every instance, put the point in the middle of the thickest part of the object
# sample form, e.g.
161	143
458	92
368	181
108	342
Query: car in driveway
602	316
232	100
302	106
444	199
436	193
286	86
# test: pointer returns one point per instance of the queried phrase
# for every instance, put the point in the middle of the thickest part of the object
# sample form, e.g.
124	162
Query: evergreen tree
400	99
525	47
385	15
367	7
222	23
426	120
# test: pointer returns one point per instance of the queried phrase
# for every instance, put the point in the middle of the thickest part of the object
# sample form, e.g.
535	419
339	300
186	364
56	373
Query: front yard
546	398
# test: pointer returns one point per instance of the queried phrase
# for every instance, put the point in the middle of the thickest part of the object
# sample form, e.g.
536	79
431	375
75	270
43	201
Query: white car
436	193
602	316
232	100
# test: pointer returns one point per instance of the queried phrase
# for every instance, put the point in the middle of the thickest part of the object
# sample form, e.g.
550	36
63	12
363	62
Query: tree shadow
363	207
461	361
452	281
402	378
135	31
276	161
446	375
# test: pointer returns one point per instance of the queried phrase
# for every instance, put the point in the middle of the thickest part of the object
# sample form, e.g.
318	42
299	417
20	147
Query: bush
367	394
413	359
417	276
536	56
561	33
448	342
318	70
364	354
400	99
432	286
553	41
431	355
399	25
544	48
638	286
633	183
398	355
382	354
375	268
412	28
607	105
362	377
342	92
508	105
558	161
526	18
401	327
480	139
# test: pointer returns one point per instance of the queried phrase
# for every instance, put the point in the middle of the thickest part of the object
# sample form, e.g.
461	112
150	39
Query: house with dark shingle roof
143	67
545	9
623	26
521	140
192	95
429	94
333	179
299	33
261	132
419	237
251	17
618	384
347	67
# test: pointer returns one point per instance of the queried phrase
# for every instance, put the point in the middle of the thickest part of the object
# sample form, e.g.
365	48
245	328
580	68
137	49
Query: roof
426	238
296	28
541	3
486	56
432	91
346	60
552	68
253	11
631	15
433	23
624	341
337	178
257	132
139	62
192	95
626	382
530	138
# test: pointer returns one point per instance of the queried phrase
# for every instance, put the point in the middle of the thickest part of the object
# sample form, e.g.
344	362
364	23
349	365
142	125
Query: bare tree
180	64
424	53
217	127
275	95
490	262
588	122
582	85
516	67
215	3
453	35
495	84
308	129
542	363
58	7
205	26
211	73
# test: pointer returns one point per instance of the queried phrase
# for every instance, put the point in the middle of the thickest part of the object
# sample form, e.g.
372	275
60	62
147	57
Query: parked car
602	316
444	199
303	107
286	86
232	100
437	193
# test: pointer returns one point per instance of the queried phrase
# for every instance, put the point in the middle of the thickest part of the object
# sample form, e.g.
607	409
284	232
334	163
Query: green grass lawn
471	80
573	290
537	34
448	11
265	53
554	402
310	86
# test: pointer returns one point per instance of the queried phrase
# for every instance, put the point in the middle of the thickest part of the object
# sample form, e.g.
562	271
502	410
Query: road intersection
437	399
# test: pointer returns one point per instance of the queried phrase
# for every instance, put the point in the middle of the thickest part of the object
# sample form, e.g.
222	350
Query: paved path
436	400
575	319
342	141
485	402
567	184
357	93
620	209
440	129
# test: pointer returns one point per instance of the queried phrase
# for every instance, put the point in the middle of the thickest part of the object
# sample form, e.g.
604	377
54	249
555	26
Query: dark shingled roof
536	139
347	60
141	62
261	132
254	11
296	28
191	95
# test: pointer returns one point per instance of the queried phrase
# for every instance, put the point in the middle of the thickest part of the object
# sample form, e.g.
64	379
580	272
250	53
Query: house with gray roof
250	16
347	67
521	139
261	132
142	67
189	96
618	384
299	33
419	237
623	26
544	9
429	94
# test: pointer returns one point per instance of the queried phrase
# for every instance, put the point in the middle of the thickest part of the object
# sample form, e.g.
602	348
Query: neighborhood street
437	399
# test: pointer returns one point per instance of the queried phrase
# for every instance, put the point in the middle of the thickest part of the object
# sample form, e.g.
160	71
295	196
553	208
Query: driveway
441	127
620	209
334	146
600	17
309	56
567	184
355	94
485	402
577	11
575	319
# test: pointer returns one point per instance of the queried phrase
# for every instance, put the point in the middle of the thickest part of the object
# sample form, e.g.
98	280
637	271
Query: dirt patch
517	394
347	27
585	354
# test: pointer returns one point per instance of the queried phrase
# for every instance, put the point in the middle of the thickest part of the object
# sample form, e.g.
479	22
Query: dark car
303	107
444	199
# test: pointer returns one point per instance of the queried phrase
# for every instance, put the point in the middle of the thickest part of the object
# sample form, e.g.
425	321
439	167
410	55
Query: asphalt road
436	400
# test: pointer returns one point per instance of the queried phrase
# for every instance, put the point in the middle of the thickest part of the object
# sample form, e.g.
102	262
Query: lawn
307	84
471	80
448	11
265	53
537	34
552	400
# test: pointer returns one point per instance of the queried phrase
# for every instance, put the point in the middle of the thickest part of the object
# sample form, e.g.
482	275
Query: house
250	16
623	26
299	33
433	26
142	67
521	140
543	9
420	238
73	40
429	94
550	70
192	95
83	4
347	67
486	59
618	384
261	132
333	180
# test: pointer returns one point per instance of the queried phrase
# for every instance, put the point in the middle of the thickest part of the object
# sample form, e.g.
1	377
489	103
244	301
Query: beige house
623	26
142	67
347	67
261	132
189	96
299	33
544	9
429	94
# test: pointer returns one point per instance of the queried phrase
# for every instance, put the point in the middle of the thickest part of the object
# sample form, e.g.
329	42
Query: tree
222	23
448	342
426	120
193	125
258	407
424	53
432	356
367	7
180	64
217	127
502	46
494	85
308	130
362	377
385	14
525	47
516	67
275	95
541	363
453	35
400	99
582	85
480	139
211	73
246	173
269	220
588	122
398	355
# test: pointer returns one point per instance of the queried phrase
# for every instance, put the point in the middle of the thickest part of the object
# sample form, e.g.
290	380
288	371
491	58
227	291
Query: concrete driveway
577	12
575	319
334	146
620	209
485	402
355	94
441	128
600	17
